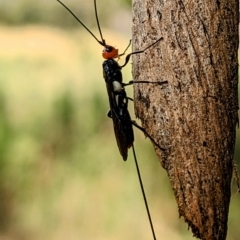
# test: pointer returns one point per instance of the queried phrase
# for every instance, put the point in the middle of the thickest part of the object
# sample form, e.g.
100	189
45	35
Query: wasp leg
109	113
145	132
125	49
137	52
135	81
131	99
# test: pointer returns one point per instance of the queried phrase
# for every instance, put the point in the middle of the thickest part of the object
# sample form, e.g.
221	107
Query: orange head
109	52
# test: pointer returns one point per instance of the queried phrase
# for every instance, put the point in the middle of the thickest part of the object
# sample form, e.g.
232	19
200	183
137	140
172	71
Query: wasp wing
123	132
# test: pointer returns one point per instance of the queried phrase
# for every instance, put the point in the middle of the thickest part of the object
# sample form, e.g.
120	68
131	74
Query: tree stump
194	115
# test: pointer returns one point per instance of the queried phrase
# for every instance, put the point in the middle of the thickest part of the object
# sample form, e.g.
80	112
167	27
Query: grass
61	173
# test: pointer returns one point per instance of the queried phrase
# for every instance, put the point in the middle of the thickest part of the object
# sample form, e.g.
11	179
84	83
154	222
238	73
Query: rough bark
194	116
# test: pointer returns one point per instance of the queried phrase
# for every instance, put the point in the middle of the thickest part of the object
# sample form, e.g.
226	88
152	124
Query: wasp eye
109	49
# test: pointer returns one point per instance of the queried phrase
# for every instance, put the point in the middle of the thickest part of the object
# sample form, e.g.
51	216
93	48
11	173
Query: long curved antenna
95	8
100	42
143	193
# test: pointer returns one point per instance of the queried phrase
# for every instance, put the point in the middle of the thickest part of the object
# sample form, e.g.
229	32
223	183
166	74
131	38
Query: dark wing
123	132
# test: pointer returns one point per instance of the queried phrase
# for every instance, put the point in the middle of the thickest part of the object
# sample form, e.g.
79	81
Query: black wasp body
118	102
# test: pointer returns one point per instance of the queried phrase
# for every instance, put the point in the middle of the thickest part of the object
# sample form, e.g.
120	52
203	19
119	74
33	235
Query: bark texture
194	115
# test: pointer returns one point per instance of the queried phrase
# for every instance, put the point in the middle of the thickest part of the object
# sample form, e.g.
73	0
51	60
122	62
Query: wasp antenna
95	8
100	42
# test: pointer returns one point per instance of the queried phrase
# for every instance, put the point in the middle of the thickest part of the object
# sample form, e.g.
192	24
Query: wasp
118	99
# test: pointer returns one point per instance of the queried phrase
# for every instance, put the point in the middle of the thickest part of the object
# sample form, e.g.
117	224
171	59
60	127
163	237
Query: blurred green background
61	174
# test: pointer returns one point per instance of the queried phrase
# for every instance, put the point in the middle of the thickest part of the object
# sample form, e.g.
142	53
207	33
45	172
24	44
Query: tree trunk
194	115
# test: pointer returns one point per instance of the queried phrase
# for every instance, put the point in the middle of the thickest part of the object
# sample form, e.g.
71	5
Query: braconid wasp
118	99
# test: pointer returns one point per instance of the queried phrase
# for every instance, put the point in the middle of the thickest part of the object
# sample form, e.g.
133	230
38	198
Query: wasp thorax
109	52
